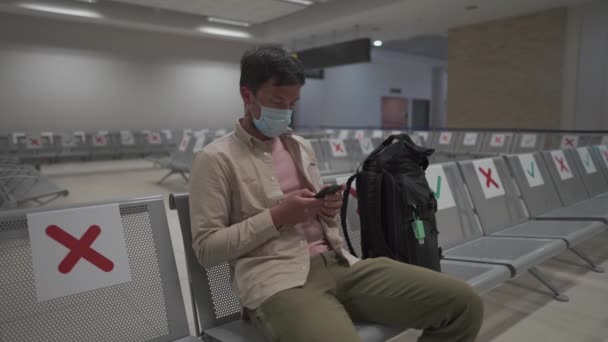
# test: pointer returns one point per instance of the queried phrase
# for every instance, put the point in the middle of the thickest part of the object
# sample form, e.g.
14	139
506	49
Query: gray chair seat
241	331
482	277
572	232
519	254
594	209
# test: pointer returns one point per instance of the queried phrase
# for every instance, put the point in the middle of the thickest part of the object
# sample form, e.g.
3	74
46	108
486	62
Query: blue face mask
273	122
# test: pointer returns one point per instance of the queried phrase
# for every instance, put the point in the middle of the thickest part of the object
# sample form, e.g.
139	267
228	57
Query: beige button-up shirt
232	188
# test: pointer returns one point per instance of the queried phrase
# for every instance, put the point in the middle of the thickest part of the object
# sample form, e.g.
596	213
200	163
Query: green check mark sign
587	161
437	192
531	171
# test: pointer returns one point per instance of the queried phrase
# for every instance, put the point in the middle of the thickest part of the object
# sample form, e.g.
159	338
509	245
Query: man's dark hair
263	63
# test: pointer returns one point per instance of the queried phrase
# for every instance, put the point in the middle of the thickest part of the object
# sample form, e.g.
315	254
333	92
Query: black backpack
396	206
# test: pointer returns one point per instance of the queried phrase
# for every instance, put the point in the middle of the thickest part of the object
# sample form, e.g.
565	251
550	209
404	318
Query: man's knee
468	304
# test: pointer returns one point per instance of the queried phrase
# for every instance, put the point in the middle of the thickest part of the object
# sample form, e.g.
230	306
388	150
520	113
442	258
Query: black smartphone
329	190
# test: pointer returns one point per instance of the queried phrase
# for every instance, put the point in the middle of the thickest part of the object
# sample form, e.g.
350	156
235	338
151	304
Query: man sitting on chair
252	204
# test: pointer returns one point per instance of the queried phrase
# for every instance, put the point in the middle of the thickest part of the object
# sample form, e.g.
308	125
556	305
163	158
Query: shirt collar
254	142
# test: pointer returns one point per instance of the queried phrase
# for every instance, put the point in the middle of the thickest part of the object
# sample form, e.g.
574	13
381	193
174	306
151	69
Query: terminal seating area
502	214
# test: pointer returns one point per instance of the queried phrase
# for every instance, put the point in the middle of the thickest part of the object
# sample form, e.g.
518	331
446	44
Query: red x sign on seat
498	139
489	179
569	142
562	166
100	139
338	148
35	141
79	248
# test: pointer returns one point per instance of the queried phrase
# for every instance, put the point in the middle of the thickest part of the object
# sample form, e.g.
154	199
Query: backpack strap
343	211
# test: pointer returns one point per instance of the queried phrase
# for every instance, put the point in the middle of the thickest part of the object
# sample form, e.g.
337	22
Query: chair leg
592	265
185	177
540	277
165	177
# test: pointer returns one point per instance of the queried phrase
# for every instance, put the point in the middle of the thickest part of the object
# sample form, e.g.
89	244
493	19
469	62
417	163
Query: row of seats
53	147
498	218
22	184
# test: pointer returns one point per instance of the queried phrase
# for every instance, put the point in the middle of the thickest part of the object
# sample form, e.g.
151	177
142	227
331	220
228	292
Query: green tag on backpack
418	227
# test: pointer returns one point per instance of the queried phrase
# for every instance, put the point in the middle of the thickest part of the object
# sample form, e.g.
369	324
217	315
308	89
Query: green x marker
531	171
437	192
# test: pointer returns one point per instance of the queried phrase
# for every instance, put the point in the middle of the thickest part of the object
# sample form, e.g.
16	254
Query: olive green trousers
378	290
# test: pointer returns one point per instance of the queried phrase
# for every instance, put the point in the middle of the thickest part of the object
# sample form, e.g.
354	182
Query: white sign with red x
154	138
488	178
33	142
183	145
77	250
445	138
569	141
100	139
498	140
338	149
561	164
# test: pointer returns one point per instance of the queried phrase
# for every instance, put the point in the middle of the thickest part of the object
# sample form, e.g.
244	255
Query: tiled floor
519	310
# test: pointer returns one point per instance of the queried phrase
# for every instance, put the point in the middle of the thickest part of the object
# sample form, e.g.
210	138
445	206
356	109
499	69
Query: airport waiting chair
22	184
74	146
104	145
338	156
528	142
217	307
486	186
586	168
496	143
577	202
539	195
467	144
561	141
452	222
181	159
149	307
600	155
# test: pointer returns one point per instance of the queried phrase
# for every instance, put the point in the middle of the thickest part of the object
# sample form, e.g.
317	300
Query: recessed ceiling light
77	12
217	31
377	43
228	22
300	2
471	7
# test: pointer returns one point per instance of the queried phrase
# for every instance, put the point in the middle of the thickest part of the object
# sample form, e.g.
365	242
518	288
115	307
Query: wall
585	91
508	72
63	76
349	95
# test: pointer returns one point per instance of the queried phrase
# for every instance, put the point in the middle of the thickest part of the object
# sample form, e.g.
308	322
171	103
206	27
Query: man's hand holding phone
301	205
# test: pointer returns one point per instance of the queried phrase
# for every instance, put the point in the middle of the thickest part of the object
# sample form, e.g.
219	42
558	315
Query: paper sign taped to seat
470	139
438	182
531	171
77	250
489	179
586	160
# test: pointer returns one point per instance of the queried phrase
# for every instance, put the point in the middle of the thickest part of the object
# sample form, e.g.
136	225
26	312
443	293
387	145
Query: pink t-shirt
290	180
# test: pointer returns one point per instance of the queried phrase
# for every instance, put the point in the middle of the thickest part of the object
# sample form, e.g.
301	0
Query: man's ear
246	95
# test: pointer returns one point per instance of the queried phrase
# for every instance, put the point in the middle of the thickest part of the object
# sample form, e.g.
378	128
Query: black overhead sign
354	51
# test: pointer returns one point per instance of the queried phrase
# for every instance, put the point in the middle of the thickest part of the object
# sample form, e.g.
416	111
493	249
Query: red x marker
498	139
489	180
338	147
99	139
444	137
35	142
79	248
569	142
605	155
562	165
354	193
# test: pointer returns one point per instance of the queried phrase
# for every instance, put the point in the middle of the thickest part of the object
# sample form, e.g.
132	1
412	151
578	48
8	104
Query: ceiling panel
253	11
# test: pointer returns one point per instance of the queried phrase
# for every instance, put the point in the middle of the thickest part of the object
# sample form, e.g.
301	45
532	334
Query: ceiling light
377	43
228	22
61	10
224	32
300	2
